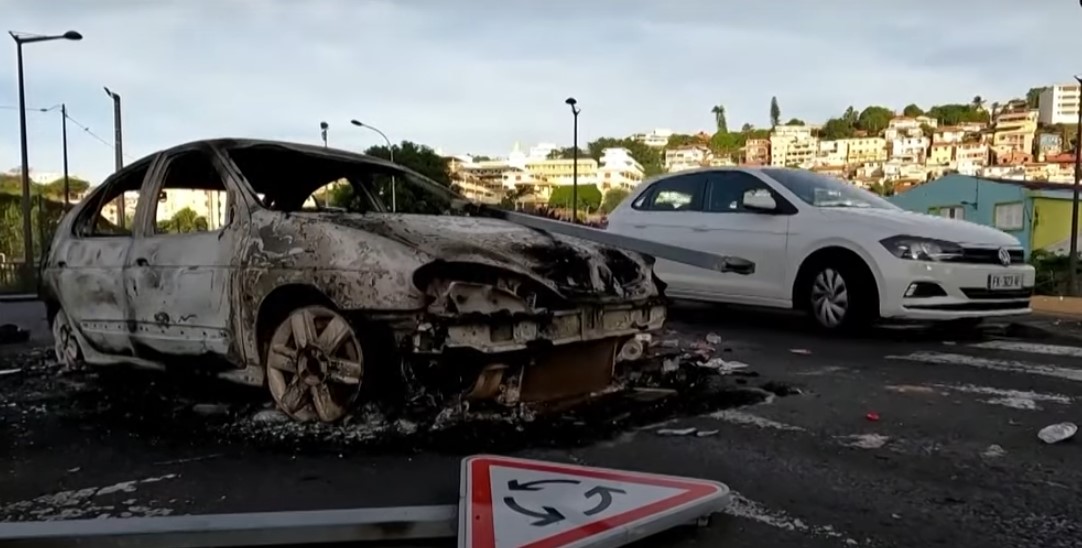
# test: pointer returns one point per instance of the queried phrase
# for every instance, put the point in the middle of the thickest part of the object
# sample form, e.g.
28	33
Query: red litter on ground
872	416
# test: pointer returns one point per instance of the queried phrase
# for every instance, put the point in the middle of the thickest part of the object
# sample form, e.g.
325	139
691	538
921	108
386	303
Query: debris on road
872	416
11	334
735	416
5	372
911	389
800	351
270	416
721	366
1055	433
676	431
713	338
993	451
865	441
706	433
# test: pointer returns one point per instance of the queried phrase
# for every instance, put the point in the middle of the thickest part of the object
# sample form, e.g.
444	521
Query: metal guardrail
380	525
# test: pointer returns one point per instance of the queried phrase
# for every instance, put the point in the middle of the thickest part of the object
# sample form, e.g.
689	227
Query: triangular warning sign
526	503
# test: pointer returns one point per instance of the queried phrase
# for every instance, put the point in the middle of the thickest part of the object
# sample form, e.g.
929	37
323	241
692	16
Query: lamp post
575	159
323	132
390	151
118	151
64	140
1072	263
28	232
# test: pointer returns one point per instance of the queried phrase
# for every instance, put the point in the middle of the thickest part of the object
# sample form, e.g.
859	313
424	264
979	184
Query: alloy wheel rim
830	298
314	365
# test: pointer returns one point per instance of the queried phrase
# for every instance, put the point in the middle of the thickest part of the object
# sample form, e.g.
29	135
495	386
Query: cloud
477	76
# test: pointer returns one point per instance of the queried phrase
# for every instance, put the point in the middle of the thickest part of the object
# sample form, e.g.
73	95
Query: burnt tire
840	297
65	343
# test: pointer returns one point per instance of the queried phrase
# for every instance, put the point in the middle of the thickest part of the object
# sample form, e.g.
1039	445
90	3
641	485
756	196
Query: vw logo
1004	256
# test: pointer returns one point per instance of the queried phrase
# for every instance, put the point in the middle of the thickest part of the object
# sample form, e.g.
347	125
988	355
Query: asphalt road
953	458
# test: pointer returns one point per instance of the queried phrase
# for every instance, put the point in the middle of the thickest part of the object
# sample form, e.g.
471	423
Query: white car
843	254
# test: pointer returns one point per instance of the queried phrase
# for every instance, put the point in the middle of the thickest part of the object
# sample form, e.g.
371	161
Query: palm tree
719	118
978	102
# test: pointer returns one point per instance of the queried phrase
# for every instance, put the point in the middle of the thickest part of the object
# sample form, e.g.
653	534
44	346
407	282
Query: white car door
743	216
665	213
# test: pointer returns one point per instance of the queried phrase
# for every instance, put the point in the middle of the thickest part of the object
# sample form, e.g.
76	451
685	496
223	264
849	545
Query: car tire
839	297
314	364
65	343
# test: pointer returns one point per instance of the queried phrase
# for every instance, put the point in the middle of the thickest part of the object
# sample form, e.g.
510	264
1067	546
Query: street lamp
323	132
1072	263
118	152
64	138
575	159
390	151
20	39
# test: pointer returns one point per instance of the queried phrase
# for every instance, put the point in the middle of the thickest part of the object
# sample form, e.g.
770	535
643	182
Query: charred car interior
300	279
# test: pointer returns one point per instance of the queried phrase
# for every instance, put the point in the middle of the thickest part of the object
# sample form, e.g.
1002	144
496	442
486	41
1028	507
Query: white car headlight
922	249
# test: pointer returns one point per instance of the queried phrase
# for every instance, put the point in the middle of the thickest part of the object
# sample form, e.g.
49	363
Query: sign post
508	502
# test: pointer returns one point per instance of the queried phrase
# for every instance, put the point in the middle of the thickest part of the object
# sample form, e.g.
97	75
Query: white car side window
683	193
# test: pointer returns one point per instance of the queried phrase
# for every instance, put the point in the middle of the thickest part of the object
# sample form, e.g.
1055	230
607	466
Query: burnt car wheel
314	365
65	344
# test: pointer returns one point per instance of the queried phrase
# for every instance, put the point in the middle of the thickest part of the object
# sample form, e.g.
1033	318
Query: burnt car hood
574	268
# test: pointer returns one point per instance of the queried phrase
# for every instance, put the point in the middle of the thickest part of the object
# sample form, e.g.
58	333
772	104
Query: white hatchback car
825	246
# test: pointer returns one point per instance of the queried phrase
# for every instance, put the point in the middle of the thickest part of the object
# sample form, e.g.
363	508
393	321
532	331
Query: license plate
1002	282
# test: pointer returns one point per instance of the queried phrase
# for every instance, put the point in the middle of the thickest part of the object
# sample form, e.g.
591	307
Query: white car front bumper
946	291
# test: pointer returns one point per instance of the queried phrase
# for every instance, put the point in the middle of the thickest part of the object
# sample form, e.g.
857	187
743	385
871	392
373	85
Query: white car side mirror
759	201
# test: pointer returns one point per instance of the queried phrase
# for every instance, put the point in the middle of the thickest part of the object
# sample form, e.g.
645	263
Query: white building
792	146
658	138
541	151
1059	104
209	204
618	170
686	157
833	153
914	148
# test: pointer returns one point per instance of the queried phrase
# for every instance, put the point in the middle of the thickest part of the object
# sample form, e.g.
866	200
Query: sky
476	76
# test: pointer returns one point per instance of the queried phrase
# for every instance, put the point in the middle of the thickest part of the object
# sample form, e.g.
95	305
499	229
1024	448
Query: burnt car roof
315	150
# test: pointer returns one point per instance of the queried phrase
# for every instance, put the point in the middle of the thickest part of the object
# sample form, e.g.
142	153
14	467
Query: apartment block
792	146
866	149
686	157
1059	104
757	152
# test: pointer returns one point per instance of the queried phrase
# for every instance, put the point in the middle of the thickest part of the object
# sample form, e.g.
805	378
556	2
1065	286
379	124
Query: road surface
902	437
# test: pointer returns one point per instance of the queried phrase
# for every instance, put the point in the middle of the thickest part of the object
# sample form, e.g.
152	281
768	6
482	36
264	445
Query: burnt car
224	256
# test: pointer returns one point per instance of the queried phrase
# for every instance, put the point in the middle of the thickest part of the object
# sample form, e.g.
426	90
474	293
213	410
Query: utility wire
72	120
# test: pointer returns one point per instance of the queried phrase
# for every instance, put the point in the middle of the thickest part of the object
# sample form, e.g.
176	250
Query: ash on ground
673	377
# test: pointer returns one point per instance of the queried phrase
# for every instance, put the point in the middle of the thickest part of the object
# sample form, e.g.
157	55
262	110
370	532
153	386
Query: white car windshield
823	191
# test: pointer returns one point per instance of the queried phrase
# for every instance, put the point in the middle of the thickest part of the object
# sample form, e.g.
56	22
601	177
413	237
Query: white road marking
1010	366
743	418
742	507
78	503
1018	399
1032	348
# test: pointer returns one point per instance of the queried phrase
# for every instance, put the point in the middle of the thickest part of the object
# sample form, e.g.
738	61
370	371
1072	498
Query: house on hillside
1037	213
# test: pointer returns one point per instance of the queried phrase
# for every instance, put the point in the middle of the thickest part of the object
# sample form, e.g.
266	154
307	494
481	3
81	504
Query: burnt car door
181	260
87	264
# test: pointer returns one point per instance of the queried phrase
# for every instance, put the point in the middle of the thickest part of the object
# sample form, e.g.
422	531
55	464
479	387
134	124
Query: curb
20	298
1045	329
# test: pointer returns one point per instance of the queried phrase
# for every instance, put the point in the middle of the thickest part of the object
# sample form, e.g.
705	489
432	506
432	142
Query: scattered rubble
865	441
993	451
1055	433
800	351
713	338
5	372
676	431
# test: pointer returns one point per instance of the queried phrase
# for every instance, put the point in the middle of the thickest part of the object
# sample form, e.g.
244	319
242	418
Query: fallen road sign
526	503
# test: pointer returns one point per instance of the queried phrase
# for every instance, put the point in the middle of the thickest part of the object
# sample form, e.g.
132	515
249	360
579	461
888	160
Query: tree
775	112
481	158
874	119
566	153
589	197
851	116
650	158
746	128
719	118
912	111
1033	96
184	221
978	102
683	139
795	122
836	128
412	198
954	114
613	198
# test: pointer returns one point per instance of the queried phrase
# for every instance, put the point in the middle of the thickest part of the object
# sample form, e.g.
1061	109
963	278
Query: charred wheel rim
314	365
65	344
829	298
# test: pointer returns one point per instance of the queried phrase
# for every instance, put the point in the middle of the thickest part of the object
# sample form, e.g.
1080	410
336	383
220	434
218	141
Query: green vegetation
720	123
613	198
589	197
775	112
183	222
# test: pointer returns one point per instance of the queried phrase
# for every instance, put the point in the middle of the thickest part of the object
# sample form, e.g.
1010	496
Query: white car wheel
314	365
830	298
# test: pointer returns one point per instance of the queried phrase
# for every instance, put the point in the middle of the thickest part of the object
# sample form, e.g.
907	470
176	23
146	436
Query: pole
64	137
28	231
118	149
1072	263
575	167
